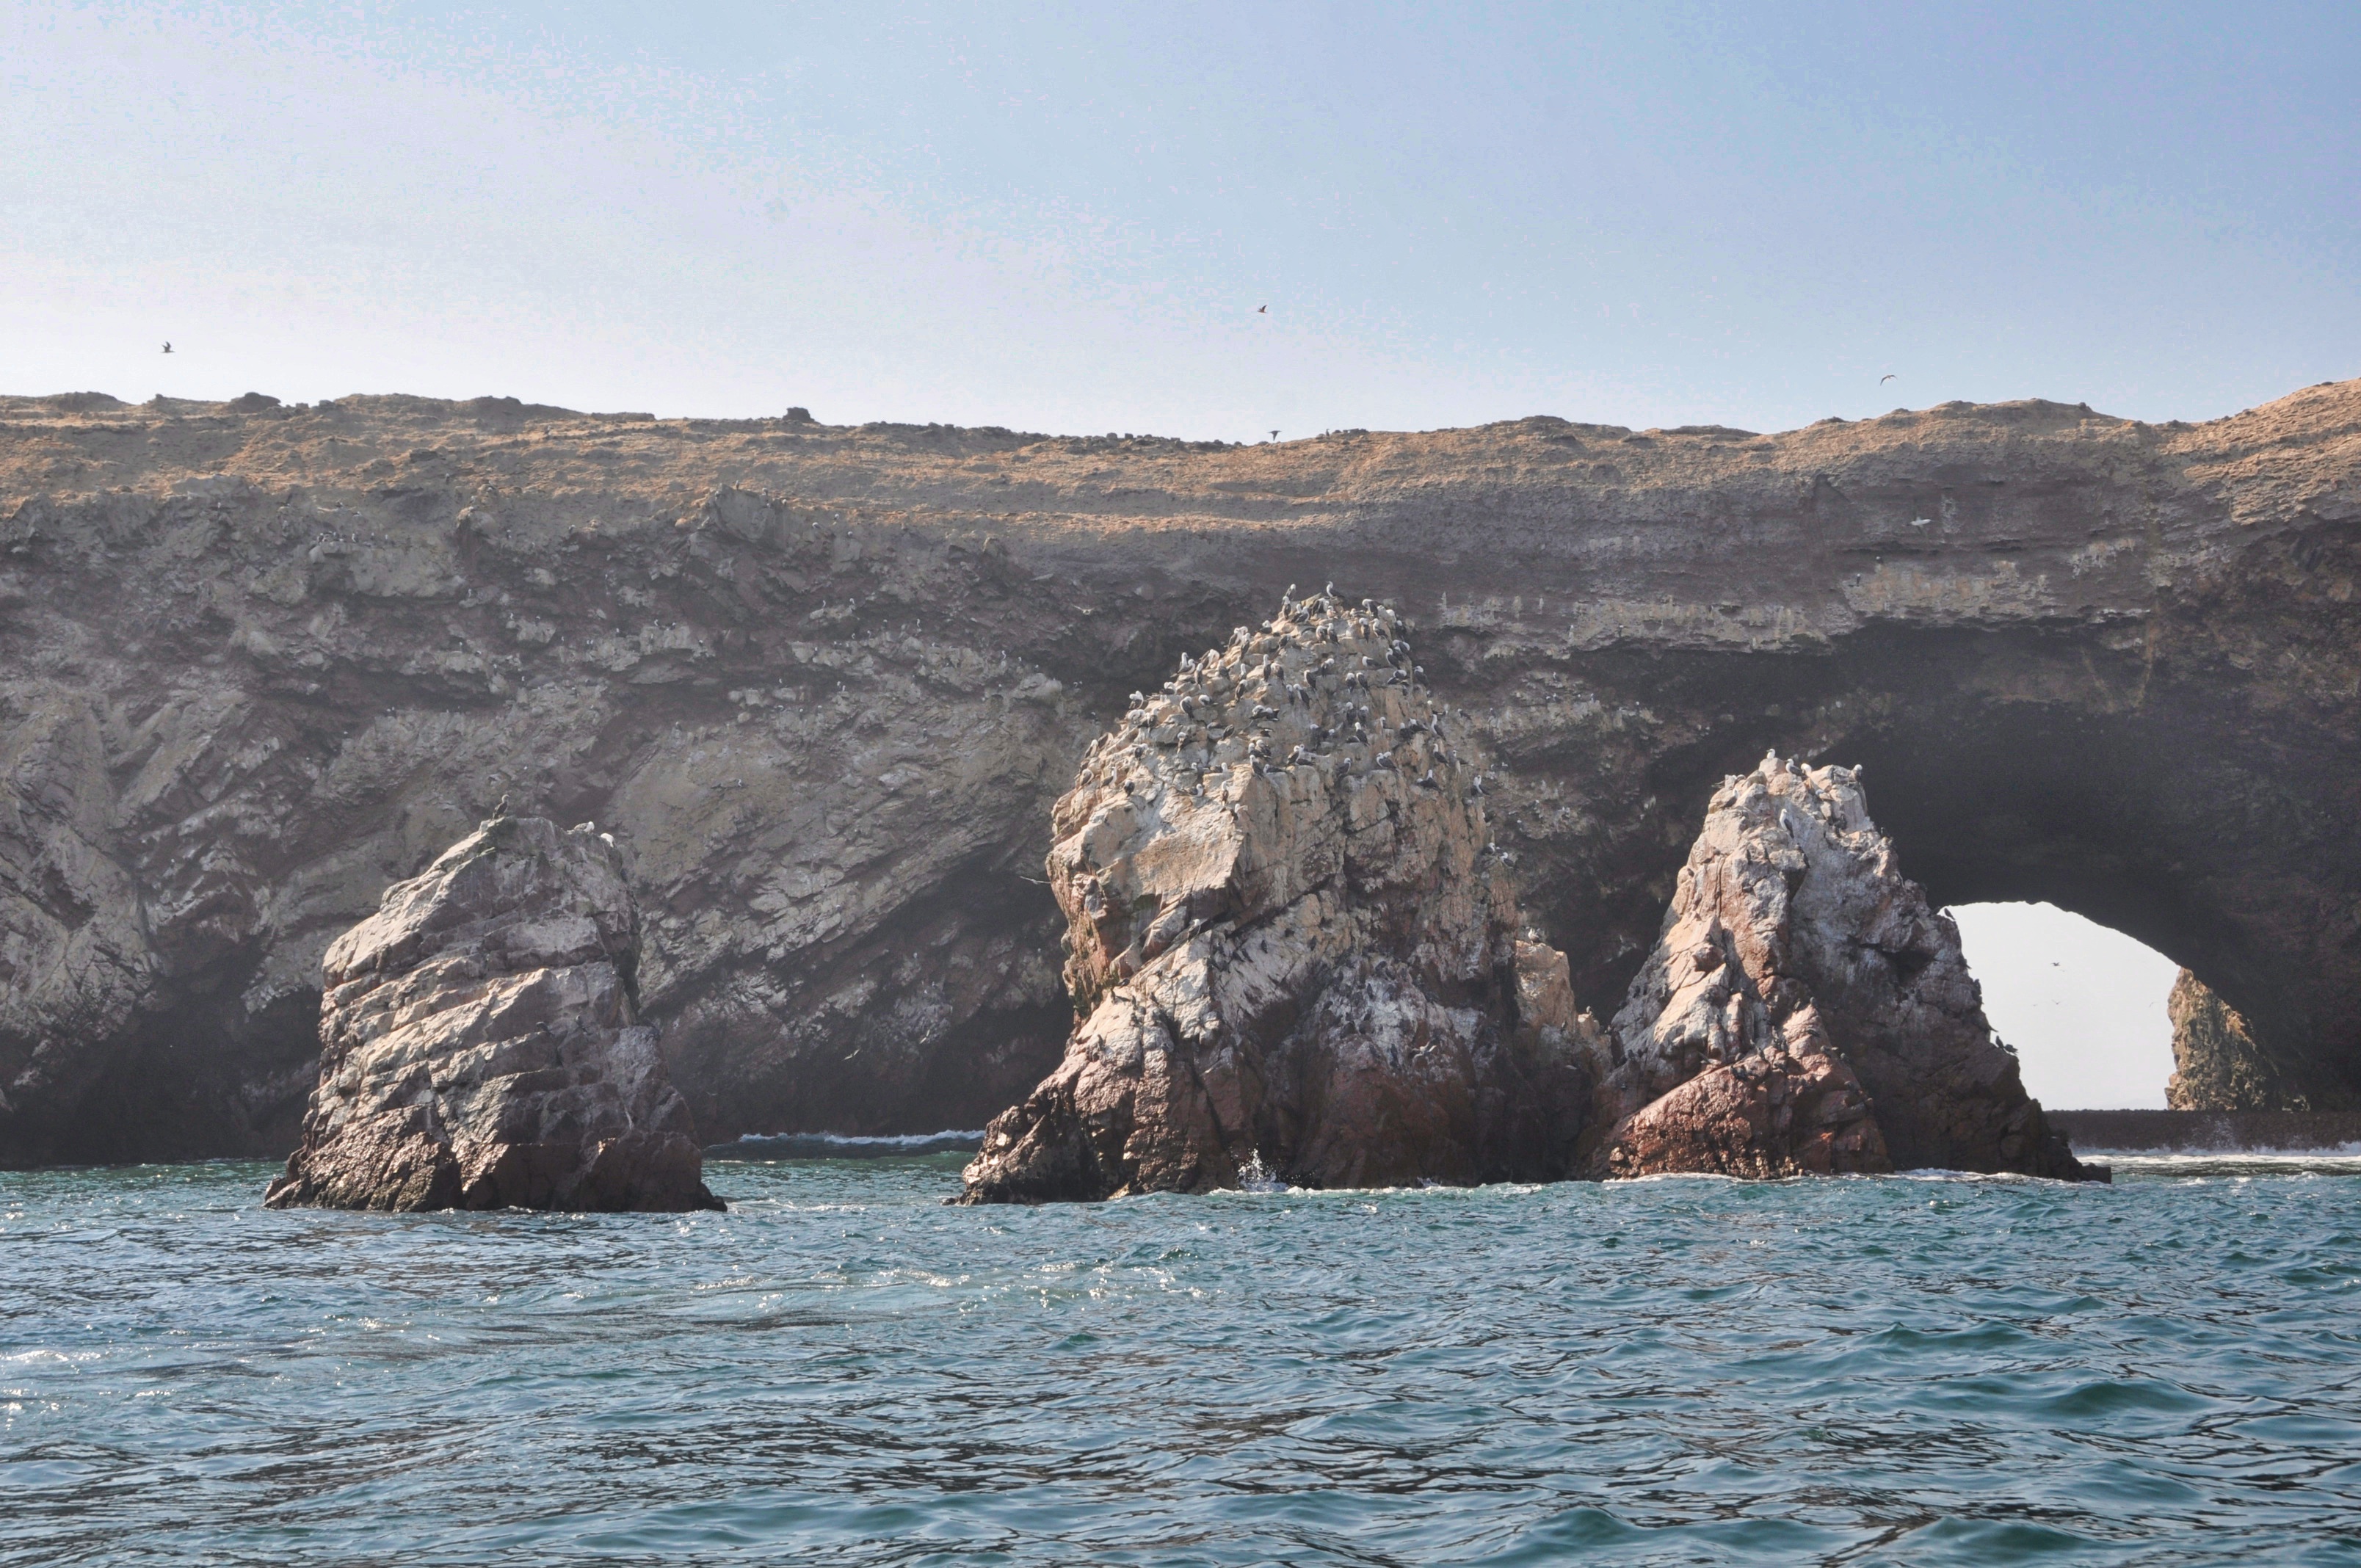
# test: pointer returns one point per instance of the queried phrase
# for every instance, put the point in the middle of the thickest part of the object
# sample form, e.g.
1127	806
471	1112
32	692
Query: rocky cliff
1292	943
1806	1010
257	664
481	1046
2217	1064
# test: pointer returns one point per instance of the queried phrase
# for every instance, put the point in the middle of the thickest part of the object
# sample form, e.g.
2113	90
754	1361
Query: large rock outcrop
480	1048
1292	942
827	683
2217	1064
1805	1009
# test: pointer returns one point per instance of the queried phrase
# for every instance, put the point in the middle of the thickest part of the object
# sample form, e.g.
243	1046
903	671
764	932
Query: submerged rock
1797	971
1291	945
481	1044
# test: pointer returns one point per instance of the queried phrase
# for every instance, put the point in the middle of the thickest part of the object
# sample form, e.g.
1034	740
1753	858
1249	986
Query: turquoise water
841	1370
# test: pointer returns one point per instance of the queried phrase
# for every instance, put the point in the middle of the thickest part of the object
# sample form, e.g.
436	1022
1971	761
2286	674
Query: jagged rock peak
1797	963
1292	944
481	1048
2215	1063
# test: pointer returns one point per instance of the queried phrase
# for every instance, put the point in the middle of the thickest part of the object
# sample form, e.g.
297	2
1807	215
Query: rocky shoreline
826	684
1291	943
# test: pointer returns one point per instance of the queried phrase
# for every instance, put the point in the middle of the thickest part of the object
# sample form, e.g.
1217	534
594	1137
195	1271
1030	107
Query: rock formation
1291	942
827	683
1805	1009
480	1047
2215	1063
1781	1111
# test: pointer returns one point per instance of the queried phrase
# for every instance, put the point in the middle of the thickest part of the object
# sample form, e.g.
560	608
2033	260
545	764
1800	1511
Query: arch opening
2004	769
2084	1006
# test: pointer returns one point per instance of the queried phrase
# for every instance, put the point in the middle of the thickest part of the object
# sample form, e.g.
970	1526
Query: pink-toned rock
1290	945
1793	934
481	1044
1794	1109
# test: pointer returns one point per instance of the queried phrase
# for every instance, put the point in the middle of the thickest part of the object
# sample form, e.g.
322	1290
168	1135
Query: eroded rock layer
2215	1063
1292	941
1805	1009
480	1048
258	664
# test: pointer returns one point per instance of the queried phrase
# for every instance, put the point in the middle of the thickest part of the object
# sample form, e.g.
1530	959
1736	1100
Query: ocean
1922	1370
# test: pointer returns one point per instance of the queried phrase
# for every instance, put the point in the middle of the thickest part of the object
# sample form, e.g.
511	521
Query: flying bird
1262	309
167	346
1884	378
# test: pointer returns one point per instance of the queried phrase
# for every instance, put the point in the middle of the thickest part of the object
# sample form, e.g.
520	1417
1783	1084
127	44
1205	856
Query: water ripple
841	1370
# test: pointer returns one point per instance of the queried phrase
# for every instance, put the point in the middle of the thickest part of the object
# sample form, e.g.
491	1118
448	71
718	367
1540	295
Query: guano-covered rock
1291	943
481	1048
826	681
1805	1009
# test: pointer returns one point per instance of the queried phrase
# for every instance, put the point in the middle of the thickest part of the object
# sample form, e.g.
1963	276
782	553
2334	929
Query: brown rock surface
2215	1063
1785	1111
480	1047
1292	944
1796	959
827	683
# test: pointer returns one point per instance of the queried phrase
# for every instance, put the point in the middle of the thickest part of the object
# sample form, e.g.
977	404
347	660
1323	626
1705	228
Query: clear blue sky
1063	218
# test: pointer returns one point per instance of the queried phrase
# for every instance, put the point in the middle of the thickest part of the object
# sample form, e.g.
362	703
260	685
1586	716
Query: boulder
1291	945
1797	969
481	1046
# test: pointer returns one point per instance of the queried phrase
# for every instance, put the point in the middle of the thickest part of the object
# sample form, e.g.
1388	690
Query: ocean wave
2265	1155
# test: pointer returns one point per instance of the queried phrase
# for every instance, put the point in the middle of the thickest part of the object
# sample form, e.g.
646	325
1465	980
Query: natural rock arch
825	682
2014	769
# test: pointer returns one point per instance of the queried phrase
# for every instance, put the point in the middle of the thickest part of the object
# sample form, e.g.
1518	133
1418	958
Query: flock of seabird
1324	690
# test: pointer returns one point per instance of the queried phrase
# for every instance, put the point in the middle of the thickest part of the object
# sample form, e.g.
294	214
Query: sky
2084	1006
1066	218
1071	218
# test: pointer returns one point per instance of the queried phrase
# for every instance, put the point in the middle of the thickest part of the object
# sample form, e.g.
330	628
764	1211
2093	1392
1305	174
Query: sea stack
1291	946
480	1046
1805	1010
2215	1063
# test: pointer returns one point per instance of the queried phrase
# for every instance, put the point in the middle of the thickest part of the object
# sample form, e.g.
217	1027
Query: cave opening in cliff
2084	1006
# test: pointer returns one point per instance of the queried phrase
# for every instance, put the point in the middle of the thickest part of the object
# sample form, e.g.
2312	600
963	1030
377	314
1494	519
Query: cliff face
1292	943
255	666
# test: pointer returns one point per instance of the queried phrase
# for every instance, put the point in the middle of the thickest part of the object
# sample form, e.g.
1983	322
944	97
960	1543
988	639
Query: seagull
168	346
1884	378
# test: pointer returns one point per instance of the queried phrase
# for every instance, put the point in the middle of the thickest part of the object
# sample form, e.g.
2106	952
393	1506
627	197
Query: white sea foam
2168	1157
